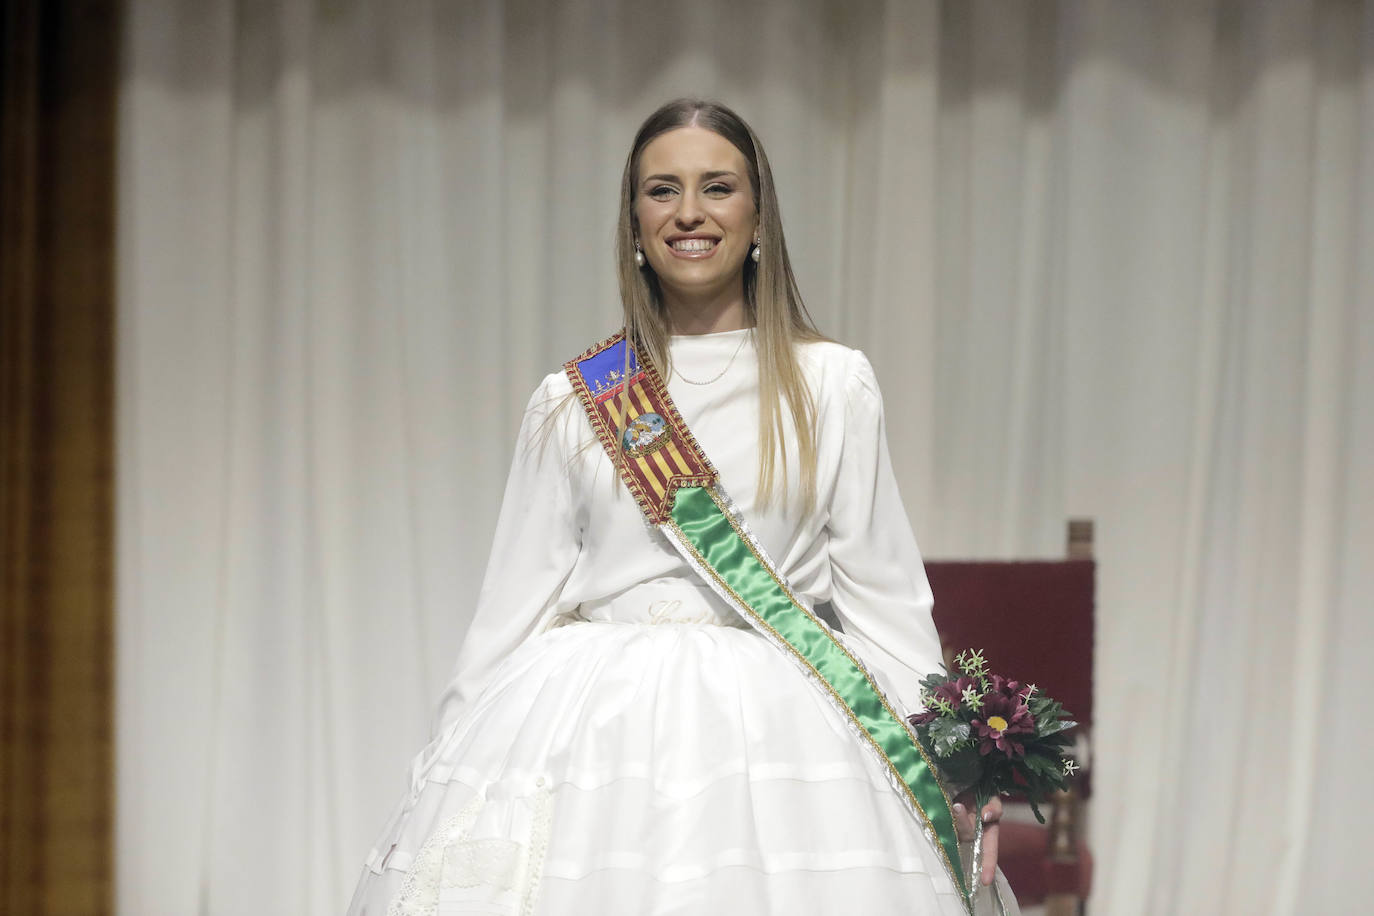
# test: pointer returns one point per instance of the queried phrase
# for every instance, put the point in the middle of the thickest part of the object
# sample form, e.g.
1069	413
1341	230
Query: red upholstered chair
1034	622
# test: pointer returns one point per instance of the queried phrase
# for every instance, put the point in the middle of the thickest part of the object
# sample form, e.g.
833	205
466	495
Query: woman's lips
693	249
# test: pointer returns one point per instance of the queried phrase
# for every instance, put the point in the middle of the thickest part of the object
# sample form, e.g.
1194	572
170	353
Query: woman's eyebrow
705	176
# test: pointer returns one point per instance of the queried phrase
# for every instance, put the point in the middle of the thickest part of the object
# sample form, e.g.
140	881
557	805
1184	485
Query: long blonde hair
773	303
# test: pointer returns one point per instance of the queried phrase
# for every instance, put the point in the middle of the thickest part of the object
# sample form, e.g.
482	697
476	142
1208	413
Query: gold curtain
57	149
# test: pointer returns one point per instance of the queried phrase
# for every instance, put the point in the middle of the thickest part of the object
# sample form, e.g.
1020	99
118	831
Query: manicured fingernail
987	817
958	808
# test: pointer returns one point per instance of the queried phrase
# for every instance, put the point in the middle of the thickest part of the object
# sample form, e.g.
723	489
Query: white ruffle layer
650	769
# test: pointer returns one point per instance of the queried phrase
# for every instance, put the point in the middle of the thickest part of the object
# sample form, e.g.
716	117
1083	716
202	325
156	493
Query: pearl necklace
718	375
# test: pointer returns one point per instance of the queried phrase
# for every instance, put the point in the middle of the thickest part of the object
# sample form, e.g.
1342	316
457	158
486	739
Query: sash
679	492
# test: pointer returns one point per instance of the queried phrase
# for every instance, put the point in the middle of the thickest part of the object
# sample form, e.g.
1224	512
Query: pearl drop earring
756	254
639	257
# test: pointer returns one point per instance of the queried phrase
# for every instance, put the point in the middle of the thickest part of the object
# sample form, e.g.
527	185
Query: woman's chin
689	285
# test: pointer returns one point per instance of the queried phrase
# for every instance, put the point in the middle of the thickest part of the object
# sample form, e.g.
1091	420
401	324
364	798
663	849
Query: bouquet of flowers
992	736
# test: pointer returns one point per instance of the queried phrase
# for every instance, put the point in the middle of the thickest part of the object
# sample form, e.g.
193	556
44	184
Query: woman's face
695	210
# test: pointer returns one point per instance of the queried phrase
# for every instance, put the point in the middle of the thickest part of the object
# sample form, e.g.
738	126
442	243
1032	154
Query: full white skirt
648	770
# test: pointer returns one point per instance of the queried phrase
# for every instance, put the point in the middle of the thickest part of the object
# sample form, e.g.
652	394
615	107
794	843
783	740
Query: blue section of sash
602	370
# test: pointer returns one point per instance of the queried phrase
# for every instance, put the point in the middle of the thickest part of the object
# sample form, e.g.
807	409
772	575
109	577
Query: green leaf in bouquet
1035	809
1043	766
946	735
1046	726
932	681
963	770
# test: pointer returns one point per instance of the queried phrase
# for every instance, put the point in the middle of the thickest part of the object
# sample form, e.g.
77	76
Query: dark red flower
1005	687
1003	715
951	692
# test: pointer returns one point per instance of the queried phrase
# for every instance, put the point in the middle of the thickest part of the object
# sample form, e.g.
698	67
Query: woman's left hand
963	823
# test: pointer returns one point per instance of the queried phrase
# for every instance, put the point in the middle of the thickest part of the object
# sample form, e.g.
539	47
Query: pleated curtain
1112	260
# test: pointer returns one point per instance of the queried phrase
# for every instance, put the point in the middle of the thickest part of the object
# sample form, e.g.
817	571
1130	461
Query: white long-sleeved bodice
572	545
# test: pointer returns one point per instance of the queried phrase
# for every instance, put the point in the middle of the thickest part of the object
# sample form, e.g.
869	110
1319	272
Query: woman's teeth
694	244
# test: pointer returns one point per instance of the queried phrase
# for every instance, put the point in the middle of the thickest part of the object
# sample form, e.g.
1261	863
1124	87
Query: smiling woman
647	715
697	223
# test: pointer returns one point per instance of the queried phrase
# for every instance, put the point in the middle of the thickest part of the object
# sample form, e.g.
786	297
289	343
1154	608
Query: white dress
617	741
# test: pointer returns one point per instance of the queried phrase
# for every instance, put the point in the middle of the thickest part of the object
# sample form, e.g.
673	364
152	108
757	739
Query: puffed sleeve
535	547
879	590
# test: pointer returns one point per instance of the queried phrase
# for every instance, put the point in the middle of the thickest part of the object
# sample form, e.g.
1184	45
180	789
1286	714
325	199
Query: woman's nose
689	211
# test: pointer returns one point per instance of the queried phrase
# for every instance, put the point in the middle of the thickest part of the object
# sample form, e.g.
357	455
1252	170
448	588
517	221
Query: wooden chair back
1034	620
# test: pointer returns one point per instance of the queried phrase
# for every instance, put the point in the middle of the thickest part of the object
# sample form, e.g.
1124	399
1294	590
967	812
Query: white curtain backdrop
1109	259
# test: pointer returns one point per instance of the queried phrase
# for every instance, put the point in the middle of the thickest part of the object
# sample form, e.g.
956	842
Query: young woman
626	734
